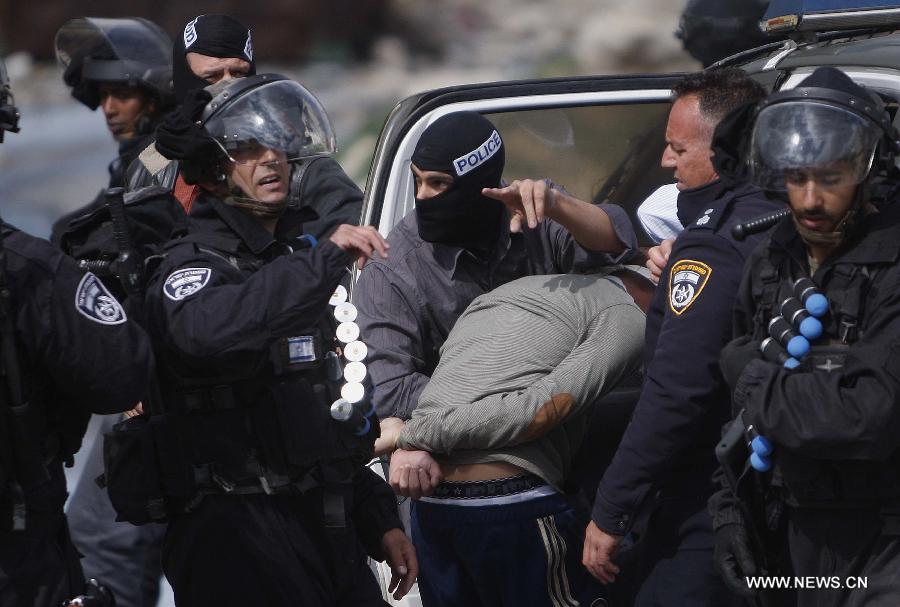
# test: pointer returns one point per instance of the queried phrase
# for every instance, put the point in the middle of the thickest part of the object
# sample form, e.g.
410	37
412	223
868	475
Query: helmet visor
799	141
116	50
281	116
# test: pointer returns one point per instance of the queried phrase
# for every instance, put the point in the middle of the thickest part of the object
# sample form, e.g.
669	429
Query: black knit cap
213	36
465	145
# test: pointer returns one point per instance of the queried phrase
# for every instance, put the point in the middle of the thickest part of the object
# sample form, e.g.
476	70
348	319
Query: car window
600	153
606	152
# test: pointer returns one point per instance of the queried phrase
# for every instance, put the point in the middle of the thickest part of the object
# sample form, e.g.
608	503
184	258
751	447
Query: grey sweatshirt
520	369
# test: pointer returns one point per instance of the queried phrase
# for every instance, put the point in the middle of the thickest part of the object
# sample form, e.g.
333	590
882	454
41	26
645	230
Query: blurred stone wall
360	57
293	28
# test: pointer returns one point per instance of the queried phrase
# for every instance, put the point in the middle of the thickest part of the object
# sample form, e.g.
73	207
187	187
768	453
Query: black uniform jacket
78	352
226	293
835	421
128	151
684	400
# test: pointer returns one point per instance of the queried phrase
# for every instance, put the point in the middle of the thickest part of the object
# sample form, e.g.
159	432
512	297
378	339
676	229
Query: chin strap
237	198
850	220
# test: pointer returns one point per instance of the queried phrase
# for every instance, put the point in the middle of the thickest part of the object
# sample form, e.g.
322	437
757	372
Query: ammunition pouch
132	474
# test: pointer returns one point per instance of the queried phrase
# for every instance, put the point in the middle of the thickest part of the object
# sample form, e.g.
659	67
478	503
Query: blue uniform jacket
684	401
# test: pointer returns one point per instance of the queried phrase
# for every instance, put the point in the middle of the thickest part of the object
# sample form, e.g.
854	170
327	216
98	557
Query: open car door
599	137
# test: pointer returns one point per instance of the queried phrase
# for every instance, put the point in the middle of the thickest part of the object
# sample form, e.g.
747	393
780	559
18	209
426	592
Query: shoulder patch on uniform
686	280
95	302
186	282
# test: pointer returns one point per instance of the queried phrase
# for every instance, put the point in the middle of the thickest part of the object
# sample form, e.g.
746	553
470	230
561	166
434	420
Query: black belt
498	487
210	480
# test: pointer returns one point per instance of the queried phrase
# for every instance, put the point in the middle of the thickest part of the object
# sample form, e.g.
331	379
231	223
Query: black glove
734	559
181	137
737	355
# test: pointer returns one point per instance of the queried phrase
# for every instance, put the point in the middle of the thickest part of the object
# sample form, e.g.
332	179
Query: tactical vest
34	438
267	431
800	480
152	217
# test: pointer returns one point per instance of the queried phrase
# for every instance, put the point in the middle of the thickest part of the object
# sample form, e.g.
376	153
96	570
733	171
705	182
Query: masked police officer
122	66
68	349
266	491
824	490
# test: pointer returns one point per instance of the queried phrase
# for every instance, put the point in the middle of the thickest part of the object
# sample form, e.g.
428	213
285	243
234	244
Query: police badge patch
186	282
686	280
94	301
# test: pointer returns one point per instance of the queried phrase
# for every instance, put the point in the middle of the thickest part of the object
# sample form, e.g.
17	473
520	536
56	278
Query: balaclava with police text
213	36
467	146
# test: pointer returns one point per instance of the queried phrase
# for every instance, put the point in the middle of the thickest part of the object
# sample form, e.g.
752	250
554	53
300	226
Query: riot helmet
131	51
264	120
9	114
828	124
820	146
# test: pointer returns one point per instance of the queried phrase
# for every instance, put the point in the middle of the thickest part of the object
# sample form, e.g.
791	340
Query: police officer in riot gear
67	349
263	488
822	497
122	66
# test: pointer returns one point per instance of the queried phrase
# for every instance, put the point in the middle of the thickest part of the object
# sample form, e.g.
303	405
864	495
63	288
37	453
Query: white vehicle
602	137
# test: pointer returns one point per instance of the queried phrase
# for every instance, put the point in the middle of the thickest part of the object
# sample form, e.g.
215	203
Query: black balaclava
467	146
213	36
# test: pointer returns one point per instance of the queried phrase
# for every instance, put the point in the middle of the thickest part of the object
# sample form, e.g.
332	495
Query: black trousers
39	566
674	566
850	548
236	550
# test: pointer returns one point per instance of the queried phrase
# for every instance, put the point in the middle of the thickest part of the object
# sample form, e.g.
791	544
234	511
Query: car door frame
389	181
